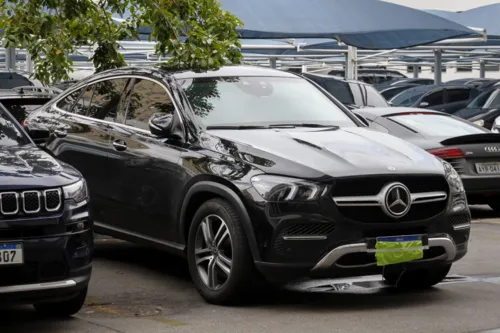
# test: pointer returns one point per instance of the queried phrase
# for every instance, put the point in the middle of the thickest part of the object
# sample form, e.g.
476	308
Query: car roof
399	86
384	112
429	87
332	77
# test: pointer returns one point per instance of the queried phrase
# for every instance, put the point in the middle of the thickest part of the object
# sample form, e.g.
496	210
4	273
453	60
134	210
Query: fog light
80	226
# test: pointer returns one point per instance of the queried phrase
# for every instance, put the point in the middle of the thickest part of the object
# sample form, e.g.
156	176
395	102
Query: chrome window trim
59	193
24	202
125	118
17	203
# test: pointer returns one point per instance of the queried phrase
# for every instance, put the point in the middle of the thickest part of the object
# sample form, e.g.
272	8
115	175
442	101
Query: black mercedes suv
254	174
45	225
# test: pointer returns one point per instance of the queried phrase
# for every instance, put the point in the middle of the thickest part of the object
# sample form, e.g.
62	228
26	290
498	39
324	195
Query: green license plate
398	249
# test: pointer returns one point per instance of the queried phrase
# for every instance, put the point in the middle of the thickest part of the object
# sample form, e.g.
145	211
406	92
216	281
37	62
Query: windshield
407	97
436	125
493	101
479	101
10	135
366	95
261	100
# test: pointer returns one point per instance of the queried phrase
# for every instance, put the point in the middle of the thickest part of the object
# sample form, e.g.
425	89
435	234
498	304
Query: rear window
436	125
13	80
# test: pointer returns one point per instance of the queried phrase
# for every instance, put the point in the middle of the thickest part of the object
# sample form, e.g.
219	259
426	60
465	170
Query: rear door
146	174
456	99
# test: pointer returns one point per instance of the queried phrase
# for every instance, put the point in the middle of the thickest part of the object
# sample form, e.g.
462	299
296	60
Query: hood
315	153
31	167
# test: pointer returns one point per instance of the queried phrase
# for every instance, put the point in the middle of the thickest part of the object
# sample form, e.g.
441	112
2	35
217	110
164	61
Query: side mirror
496	126
161	124
362	119
423	104
39	135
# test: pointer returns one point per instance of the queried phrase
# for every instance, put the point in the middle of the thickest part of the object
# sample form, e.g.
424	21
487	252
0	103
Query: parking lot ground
140	290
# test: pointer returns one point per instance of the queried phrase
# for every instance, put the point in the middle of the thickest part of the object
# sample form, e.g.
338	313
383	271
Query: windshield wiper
311	125
236	127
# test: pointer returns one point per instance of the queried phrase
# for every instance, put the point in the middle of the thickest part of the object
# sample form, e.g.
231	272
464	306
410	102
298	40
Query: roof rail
39	90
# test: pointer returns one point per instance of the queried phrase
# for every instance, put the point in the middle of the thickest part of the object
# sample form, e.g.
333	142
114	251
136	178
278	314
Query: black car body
252	172
445	98
45	225
483	110
351	93
473	151
392	90
21	101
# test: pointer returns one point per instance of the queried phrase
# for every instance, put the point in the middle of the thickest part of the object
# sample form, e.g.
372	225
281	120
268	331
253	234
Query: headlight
77	191
458	199
276	188
479	122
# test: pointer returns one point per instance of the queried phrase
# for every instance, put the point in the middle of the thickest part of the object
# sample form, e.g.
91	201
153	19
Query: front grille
371	185
30	202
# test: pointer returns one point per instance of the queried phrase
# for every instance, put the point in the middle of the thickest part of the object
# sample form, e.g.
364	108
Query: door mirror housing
39	135
423	104
165	125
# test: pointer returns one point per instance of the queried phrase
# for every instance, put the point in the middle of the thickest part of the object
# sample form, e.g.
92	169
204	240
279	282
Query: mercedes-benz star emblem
397	200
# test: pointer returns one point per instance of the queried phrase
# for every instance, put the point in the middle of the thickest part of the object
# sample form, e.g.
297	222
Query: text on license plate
11	254
488	167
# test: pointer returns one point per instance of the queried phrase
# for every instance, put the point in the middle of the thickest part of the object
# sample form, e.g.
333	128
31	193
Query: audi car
473	151
46	234
256	175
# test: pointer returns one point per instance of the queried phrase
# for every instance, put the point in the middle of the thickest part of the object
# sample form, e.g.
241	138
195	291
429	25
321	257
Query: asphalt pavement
141	290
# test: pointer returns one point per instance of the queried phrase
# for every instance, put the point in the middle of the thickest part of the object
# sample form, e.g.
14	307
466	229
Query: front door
146	175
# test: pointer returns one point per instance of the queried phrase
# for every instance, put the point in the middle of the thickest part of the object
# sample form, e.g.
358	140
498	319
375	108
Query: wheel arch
206	190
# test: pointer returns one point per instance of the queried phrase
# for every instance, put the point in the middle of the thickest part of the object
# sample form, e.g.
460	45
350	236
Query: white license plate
488	167
11	254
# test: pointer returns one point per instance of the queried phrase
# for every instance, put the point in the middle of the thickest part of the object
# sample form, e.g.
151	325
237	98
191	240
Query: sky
451	5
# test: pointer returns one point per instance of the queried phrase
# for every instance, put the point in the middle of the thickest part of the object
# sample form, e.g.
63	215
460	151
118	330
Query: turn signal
447	153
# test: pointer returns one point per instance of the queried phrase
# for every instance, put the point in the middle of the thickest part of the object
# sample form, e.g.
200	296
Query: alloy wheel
213	252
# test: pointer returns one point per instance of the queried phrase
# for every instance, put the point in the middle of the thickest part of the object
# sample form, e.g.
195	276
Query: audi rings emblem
492	149
397	200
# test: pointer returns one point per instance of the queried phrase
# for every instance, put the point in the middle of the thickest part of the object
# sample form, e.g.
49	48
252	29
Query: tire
424	278
65	308
219	287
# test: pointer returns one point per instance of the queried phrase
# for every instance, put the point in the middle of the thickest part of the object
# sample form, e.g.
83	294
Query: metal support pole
29	63
351	63
10	58
272	63
437	66
482	69
415	71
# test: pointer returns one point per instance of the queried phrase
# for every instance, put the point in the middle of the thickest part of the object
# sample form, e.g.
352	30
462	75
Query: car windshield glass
370	96
340	90
493	101
407	98
21	108
261	100
10	134
436	125
479	101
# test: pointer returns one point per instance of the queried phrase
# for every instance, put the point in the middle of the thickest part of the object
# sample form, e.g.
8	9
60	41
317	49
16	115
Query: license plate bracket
488	168
11	254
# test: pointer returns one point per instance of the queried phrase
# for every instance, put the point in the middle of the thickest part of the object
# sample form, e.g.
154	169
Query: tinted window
67	102
82	105
13	80
261	100
340	90
436	125
21	108
435	98
10	135
106	98
147	98
480	100
458	95
407	98
494	100
370	96
390	93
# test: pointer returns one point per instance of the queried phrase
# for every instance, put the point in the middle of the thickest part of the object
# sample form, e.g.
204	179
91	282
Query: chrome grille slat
31	205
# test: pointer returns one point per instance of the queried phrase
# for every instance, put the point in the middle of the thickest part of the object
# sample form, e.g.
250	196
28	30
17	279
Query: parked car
21	101
480	84
391	91
46	234
252	174
404	82
483	110
374	76
473	151
12	79
353	94
443	98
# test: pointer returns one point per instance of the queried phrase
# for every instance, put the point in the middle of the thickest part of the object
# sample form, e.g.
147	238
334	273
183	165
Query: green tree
50	30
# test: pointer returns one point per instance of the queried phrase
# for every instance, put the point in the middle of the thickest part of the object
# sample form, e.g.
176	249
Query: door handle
120	145
60	133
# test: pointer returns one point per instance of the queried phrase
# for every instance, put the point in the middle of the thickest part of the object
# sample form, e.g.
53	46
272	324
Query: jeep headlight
458	199
285	189
77	191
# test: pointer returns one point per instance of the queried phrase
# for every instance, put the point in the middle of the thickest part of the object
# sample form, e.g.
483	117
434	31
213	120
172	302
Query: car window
436	125
261	100
148	98
67	102
10	134
13	80
458	95
407	97
370	96
20	108
480	100
340	90
82	105
435	98
106	98
493	101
